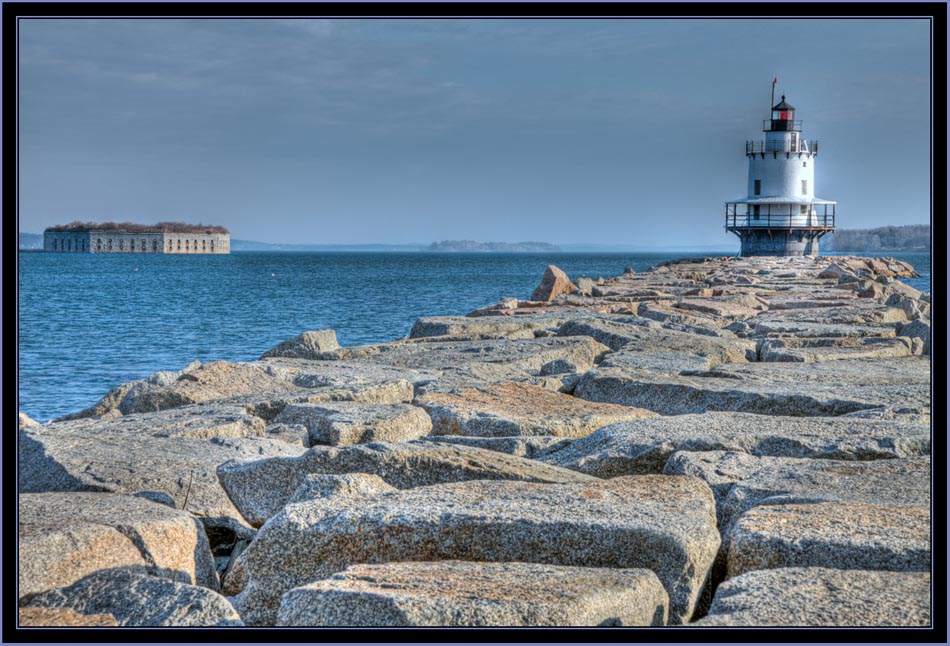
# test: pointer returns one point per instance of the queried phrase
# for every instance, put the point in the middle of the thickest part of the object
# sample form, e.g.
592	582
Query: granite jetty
712	442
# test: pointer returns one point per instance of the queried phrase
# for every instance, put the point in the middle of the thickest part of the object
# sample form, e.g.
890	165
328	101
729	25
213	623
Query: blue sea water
90	322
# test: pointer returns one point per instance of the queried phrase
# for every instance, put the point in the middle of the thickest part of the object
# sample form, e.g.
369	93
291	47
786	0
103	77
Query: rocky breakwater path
716	441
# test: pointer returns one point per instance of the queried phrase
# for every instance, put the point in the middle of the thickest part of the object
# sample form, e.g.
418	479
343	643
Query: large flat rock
125	458
342	423
260	489
877	489
644	446
822	597
64	537
818	349
797	478
525	447
131	598
459	328
903	482
793	389
522	354
639	336
796	329
515	409
460	593
856	312
666	524
672	362
868	372
204	421
842	535
272	381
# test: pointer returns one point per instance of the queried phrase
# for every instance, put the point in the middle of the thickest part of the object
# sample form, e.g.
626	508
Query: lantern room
783	118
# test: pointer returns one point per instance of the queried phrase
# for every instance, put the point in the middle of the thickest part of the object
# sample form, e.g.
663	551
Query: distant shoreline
842	241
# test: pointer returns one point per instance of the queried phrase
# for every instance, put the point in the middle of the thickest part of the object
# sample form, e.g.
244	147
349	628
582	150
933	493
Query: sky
348	131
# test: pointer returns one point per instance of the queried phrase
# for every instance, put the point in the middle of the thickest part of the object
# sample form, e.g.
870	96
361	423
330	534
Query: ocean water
90	322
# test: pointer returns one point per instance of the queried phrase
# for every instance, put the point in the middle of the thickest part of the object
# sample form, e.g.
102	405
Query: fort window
144	248
179	245
131	245
99	244
155	245
204	245
212	245
110	244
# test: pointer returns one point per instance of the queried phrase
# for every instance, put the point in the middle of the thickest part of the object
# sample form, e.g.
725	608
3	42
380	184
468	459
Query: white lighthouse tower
781	215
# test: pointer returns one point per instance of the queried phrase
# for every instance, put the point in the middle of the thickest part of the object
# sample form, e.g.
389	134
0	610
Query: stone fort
127	237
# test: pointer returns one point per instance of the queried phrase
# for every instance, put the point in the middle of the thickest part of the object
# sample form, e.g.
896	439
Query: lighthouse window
804	187
804	164
803	209
757	190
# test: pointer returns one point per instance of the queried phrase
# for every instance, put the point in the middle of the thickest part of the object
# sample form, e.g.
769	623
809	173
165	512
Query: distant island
911	237
471	245
253	245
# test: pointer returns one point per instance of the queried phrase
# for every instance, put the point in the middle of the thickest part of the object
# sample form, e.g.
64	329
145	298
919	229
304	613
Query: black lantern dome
783	118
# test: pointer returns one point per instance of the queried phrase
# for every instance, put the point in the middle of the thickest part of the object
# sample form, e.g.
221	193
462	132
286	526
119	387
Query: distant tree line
471	245
132	227
910	237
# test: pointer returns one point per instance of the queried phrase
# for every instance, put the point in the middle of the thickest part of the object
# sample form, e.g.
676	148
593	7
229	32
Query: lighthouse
781	215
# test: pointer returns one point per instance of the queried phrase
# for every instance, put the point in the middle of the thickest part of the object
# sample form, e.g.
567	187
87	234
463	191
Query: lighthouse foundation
779	242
